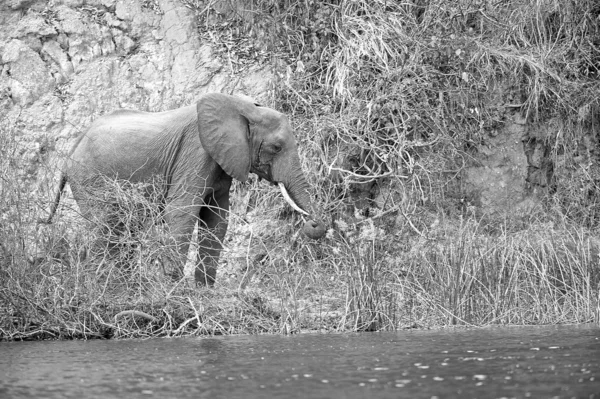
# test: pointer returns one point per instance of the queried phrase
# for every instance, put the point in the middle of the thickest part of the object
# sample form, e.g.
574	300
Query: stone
141	21
16	4
32	42
43	114
123	43
33	24
109	3
71	22
29	76
112	21
57	54
107	45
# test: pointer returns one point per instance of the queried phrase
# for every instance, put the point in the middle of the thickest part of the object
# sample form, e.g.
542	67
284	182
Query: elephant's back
125	126
130	119
131	144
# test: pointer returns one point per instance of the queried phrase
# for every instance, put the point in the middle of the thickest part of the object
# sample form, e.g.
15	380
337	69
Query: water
537	362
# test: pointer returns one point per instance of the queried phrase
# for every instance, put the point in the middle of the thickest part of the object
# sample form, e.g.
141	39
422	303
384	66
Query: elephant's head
243	137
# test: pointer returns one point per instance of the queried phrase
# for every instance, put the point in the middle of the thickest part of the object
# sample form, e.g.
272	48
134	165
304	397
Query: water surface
497	362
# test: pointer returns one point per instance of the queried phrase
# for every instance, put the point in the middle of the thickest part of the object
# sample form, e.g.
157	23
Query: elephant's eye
276	148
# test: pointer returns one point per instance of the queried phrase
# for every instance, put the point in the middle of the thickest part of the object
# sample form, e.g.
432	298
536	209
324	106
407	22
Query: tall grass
540	276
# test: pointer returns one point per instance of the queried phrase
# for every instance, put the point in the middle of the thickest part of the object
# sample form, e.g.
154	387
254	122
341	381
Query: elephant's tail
54	205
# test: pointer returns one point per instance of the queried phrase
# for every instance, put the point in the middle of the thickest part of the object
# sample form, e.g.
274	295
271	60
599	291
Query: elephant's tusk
289	199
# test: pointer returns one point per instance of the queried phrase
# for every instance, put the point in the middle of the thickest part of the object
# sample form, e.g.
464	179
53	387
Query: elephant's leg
211	232
104	220
181	216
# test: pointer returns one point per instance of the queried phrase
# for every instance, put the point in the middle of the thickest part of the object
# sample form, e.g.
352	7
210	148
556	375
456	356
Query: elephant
195	151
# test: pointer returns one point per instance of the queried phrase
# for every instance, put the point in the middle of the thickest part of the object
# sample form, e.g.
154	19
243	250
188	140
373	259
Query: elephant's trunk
312	228
296	193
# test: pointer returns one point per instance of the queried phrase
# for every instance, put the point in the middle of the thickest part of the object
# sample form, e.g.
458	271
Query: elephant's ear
223	126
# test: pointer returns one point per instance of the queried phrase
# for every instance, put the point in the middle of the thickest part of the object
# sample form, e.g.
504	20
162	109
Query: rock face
497	181
28	77
516	166
63	65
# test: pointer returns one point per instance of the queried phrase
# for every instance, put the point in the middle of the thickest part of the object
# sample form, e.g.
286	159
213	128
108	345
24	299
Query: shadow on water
499	362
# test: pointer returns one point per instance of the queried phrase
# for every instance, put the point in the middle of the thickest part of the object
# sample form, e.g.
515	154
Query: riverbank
452	148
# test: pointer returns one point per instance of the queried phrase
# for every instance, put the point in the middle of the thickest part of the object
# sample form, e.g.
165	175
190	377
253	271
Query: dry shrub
109	275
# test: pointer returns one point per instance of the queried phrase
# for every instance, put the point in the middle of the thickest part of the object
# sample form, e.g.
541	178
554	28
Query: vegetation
392	101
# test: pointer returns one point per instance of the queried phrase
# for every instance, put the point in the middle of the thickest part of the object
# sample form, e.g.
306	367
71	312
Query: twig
135	313
185	323
364	178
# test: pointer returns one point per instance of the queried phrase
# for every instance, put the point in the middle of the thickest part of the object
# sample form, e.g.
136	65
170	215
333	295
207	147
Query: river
492	362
